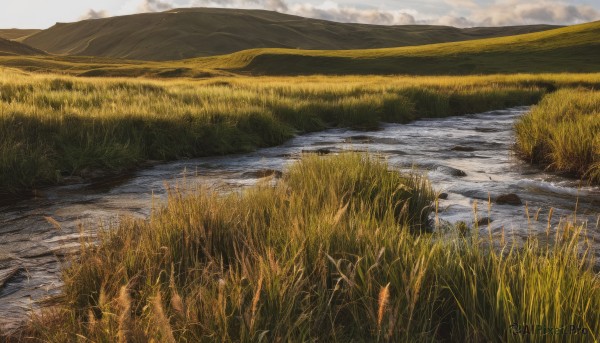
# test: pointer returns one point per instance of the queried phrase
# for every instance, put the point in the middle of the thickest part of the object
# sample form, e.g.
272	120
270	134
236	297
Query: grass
562	133
569	49
55	126
338	250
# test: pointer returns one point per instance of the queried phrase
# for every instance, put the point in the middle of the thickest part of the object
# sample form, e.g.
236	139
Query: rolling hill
569	49
187	33
573	49
12	48
17	34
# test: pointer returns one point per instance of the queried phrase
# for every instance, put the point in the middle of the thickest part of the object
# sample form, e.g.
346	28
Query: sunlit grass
53	127
338	250
562	133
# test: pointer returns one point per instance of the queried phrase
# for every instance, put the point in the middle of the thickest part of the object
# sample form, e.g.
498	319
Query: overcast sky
462	13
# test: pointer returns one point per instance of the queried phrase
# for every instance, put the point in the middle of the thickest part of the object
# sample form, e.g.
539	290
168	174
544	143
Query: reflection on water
466	157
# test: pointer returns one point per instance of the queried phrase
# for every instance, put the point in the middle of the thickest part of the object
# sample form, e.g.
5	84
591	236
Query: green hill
572	49
12	48
17	34
187	33
569	49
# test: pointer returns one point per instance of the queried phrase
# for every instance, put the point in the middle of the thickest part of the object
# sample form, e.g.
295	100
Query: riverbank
438	148
562	134
55	128
337	250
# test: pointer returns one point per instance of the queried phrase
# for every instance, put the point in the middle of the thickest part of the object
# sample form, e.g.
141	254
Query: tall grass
338	251
52	127
562	133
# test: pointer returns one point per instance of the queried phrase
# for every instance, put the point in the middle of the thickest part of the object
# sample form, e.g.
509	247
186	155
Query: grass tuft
284	263
562	133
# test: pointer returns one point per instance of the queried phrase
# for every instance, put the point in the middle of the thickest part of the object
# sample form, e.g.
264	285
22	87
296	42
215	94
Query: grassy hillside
570	49
17	34
12	48
187	33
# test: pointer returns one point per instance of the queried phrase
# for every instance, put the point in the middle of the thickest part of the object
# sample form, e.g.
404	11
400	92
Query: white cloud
276	5
449	20
154	6
462	13
271	5
462	4
93	14
348	14
514	12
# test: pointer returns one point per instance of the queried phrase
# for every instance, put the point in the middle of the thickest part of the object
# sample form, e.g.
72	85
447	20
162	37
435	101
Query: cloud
93	14
449	20
463	4
514	12
461	13
329	10
271	5
154	6
276	5
349	14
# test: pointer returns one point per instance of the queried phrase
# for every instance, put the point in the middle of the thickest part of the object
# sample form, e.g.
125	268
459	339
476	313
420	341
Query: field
337	251
57	127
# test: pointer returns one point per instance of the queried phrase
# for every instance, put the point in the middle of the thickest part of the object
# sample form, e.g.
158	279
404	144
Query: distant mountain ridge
196	32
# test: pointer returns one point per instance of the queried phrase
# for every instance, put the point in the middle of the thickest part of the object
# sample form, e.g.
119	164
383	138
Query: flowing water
468	158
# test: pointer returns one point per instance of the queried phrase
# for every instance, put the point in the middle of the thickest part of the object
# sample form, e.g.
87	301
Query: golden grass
270	264
562	133
56	126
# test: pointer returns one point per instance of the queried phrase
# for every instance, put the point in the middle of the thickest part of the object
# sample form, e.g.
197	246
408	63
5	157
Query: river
33	247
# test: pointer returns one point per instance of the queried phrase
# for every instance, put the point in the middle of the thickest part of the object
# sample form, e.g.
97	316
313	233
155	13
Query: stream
469	158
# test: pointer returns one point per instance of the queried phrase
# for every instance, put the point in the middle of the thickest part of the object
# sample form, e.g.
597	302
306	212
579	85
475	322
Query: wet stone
452	171
509	199
484	221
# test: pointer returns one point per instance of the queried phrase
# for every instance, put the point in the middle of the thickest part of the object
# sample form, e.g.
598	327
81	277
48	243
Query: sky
41	14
